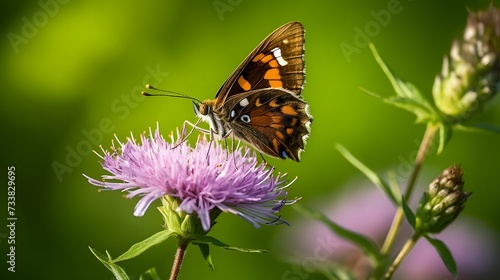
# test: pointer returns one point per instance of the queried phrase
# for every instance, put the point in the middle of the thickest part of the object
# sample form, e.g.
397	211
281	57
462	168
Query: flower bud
185	226
442	202
471	73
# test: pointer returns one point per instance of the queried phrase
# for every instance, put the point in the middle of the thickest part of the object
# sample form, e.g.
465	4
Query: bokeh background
71	76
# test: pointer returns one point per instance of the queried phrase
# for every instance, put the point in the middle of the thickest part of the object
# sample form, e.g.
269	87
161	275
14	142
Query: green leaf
204	242
393	183
479	128
410	216
445	132
386	188
205	252
150	274
407	97
140	247
107	261
365	244
444	253
208	240
336	272
422	112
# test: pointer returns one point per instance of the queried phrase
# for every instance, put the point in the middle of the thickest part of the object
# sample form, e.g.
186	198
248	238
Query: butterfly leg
193	126
232	149
202	130
263	158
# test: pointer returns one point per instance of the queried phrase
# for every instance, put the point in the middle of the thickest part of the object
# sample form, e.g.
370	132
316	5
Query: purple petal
201	177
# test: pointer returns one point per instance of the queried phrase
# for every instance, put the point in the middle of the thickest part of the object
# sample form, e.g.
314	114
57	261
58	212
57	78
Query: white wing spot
244	102
245	118
277	54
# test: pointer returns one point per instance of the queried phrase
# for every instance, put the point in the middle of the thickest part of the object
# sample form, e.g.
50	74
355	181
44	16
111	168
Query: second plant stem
427	140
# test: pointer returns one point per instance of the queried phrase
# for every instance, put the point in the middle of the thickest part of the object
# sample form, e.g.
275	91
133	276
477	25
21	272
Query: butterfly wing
277	62
261	101
275	121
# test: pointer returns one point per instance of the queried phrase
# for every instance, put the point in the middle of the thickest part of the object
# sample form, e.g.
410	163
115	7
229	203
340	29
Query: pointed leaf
393	183
421	111
410	216
402	89
408	96
365	244
445	132
336	272
208	240
140	247
479	128
117	271
369	173
150	274
444	253
205	252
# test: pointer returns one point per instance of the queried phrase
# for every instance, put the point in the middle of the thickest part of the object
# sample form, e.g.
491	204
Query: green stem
430	132
179	257
402	255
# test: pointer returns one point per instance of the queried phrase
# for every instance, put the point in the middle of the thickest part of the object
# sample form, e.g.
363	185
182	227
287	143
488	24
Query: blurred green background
71	77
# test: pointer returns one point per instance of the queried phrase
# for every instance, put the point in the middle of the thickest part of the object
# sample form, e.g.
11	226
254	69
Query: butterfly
261	103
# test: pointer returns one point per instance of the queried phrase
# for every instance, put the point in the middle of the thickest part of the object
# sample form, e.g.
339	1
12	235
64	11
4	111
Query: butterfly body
261	103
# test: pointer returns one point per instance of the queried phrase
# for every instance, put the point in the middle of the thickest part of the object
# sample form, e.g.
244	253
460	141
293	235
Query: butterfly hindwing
275	121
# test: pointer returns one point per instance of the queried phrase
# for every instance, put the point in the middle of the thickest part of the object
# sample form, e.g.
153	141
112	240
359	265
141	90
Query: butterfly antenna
168	93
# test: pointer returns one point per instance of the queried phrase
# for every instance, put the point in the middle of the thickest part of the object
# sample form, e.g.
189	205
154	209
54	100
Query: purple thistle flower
203	178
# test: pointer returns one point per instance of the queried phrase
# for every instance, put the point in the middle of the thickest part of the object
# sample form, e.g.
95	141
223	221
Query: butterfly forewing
277	62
